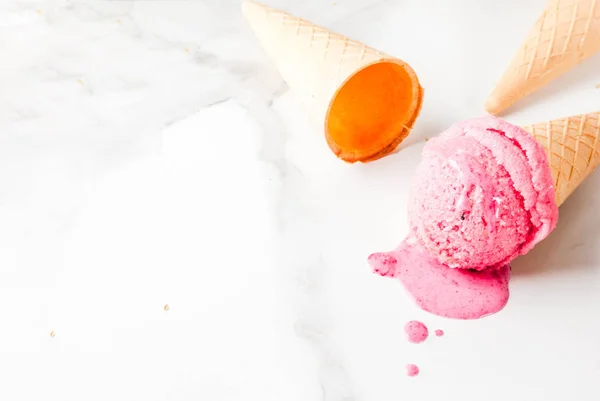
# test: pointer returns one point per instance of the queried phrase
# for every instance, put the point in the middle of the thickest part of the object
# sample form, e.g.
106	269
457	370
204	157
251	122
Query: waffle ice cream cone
573	148
366	101
567	32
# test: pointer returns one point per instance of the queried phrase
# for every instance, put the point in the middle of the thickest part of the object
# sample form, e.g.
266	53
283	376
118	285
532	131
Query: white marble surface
151	155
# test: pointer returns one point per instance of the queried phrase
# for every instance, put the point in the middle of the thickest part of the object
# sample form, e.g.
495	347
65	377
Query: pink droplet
412	370
439	333
416	331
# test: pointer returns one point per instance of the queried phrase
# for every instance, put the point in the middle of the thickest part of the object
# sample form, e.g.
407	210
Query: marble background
173	228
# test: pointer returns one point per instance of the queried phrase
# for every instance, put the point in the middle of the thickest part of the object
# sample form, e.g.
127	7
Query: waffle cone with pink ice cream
485	192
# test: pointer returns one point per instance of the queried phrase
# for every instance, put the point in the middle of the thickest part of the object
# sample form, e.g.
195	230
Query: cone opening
373	111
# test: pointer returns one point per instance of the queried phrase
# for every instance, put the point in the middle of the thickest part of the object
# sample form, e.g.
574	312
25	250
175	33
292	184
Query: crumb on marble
52	334
118	21
38	11
597	86
426	139
166	307
187	49
80	81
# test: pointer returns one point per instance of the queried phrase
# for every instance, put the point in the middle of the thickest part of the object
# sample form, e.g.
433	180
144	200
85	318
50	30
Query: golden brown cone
317	63
567	32
573	148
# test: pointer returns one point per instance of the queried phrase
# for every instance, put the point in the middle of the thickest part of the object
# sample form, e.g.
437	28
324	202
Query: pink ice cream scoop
482	196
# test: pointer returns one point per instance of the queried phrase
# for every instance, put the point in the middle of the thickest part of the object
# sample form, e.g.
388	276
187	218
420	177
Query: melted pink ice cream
412	370
416	332
439	333
436	288
483	195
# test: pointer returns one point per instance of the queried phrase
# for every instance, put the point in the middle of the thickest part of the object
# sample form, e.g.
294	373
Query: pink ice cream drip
416	332
483	195
412	370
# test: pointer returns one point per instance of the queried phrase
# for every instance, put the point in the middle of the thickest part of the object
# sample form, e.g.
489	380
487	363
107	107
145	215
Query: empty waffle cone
573	148
567	32
366	101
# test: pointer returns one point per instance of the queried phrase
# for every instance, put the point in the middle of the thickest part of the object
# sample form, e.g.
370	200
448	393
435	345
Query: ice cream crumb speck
166	307
52	334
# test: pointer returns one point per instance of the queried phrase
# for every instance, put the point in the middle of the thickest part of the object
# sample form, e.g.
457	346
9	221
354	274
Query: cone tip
494	105
248	6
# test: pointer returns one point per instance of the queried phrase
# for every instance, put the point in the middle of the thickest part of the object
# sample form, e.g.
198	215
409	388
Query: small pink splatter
439	333
416	331
383	264
412	370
